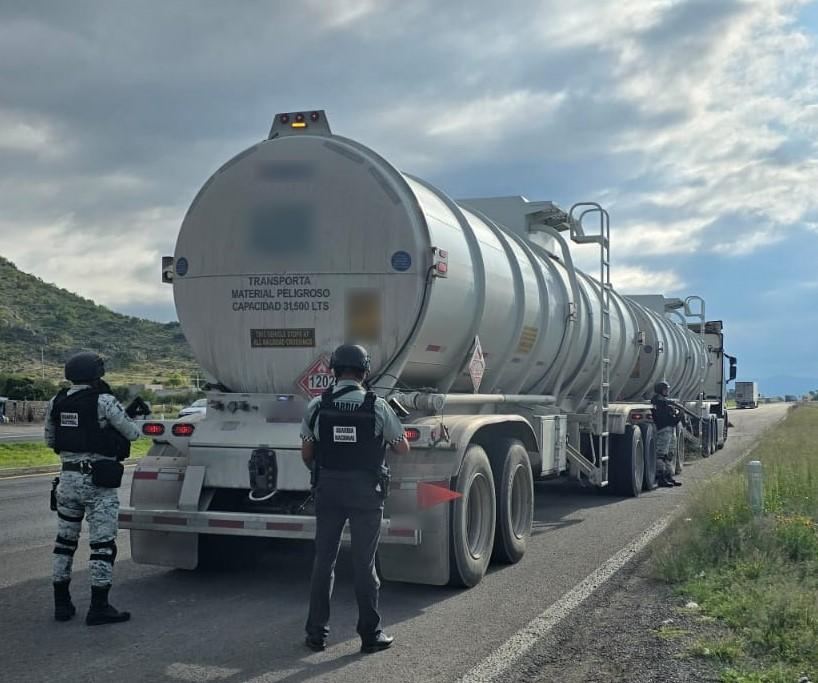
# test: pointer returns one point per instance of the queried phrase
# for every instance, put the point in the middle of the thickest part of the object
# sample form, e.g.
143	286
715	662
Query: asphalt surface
21	433
246	623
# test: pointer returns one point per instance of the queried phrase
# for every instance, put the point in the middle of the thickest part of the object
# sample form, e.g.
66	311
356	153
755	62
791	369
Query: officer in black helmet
665	416
344	437
91	432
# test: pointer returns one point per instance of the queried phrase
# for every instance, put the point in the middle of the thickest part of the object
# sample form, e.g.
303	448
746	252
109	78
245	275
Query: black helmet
350	356
660	386
84	366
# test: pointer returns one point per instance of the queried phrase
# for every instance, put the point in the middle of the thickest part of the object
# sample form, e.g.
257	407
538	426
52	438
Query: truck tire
472	519
514	488
627	465
714	438
704	430
649	441
726	428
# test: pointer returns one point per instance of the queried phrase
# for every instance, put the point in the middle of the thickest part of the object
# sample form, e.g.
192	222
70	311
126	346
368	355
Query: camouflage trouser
78	497
665	450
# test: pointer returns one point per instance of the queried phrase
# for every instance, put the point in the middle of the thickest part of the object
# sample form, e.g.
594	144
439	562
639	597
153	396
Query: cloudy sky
693	121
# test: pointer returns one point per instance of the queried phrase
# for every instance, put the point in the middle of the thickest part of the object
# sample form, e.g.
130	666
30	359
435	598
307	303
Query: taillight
153	429
411	433
182	429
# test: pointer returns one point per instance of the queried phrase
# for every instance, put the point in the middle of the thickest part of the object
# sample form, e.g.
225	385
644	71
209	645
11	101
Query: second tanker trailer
511	364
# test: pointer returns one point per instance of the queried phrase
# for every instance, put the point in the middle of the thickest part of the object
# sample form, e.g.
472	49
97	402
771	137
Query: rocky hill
40	318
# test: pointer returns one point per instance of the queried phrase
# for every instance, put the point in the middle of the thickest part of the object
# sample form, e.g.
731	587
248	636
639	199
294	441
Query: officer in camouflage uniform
665	416
344	437
86	425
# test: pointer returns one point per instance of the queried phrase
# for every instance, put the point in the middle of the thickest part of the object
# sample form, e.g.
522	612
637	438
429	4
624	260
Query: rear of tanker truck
299	243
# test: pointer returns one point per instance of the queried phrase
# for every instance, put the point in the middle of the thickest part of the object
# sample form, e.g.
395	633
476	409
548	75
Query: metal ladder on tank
603	445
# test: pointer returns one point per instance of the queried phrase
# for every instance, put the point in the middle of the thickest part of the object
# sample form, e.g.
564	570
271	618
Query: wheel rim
520	502
639	464
478	524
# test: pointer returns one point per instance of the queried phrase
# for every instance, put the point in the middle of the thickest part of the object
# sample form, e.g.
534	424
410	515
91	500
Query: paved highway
245	624
19	433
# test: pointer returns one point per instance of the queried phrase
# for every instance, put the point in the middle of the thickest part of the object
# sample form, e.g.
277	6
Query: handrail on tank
702	319
603	239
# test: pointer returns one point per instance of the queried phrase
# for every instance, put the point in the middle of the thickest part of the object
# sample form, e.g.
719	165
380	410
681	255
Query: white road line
502	659
522	641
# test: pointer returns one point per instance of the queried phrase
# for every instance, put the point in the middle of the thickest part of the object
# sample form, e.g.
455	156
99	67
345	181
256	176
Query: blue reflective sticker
648	348
181	266
401	260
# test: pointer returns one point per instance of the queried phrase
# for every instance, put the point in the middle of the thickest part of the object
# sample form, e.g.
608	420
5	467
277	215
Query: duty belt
83	466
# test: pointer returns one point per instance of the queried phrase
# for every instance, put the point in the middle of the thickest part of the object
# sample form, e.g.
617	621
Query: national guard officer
344	436
91	432
665	416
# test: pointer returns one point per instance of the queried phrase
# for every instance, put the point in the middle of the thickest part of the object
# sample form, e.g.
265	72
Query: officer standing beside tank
665	416
91	432
344	437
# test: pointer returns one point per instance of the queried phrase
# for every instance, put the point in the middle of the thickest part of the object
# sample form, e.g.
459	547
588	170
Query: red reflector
442	268
123	517
443	253
411	434
226	523
314	116
636	416
406	533
182	429
285	118
153	429
299	118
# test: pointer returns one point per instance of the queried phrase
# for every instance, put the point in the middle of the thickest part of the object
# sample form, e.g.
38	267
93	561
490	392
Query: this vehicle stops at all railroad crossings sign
316	378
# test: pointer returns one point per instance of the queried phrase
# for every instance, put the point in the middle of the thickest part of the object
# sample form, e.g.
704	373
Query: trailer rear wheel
627	462
704	431
714	437
649	441
514	488
471	536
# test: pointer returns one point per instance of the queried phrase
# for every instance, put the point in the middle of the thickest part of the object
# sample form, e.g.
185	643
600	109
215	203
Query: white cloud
637	280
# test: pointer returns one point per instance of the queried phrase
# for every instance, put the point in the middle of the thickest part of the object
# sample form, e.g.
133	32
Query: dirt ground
634	629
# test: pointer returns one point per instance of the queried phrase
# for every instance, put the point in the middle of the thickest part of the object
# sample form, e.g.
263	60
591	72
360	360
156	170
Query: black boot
63	607
672	482
663	481
101	611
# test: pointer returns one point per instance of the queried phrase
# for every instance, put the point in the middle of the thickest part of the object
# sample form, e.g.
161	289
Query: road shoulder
633	629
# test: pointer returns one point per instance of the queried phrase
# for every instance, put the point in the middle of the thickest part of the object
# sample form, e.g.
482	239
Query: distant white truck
746	394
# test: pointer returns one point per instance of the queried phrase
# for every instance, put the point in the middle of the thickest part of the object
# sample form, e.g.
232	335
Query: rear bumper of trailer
244	524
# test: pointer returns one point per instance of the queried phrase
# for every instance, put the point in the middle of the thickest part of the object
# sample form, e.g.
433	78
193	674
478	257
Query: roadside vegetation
37	454
756	575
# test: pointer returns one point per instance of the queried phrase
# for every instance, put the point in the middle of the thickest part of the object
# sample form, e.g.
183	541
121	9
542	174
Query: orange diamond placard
317	378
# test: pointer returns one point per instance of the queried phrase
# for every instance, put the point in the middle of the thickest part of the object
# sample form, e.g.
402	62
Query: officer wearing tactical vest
666	415
344	436
91	432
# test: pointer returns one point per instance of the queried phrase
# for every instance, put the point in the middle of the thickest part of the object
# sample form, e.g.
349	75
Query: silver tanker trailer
512	365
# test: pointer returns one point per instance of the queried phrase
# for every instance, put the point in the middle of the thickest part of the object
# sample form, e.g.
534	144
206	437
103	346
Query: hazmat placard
477	365
316	378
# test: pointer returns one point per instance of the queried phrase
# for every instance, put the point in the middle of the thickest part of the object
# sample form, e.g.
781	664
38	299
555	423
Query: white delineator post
755	486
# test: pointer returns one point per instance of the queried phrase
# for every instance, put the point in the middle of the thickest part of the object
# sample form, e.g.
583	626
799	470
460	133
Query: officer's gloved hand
137	407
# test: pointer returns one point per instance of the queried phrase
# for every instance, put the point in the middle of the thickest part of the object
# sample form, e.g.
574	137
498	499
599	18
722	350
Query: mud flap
426	563
165	548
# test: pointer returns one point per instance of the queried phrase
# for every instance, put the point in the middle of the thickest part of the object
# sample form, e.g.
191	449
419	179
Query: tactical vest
346	435
77	429
663	413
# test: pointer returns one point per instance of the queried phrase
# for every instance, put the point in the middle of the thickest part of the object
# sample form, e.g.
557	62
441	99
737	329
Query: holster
107	474
384	481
